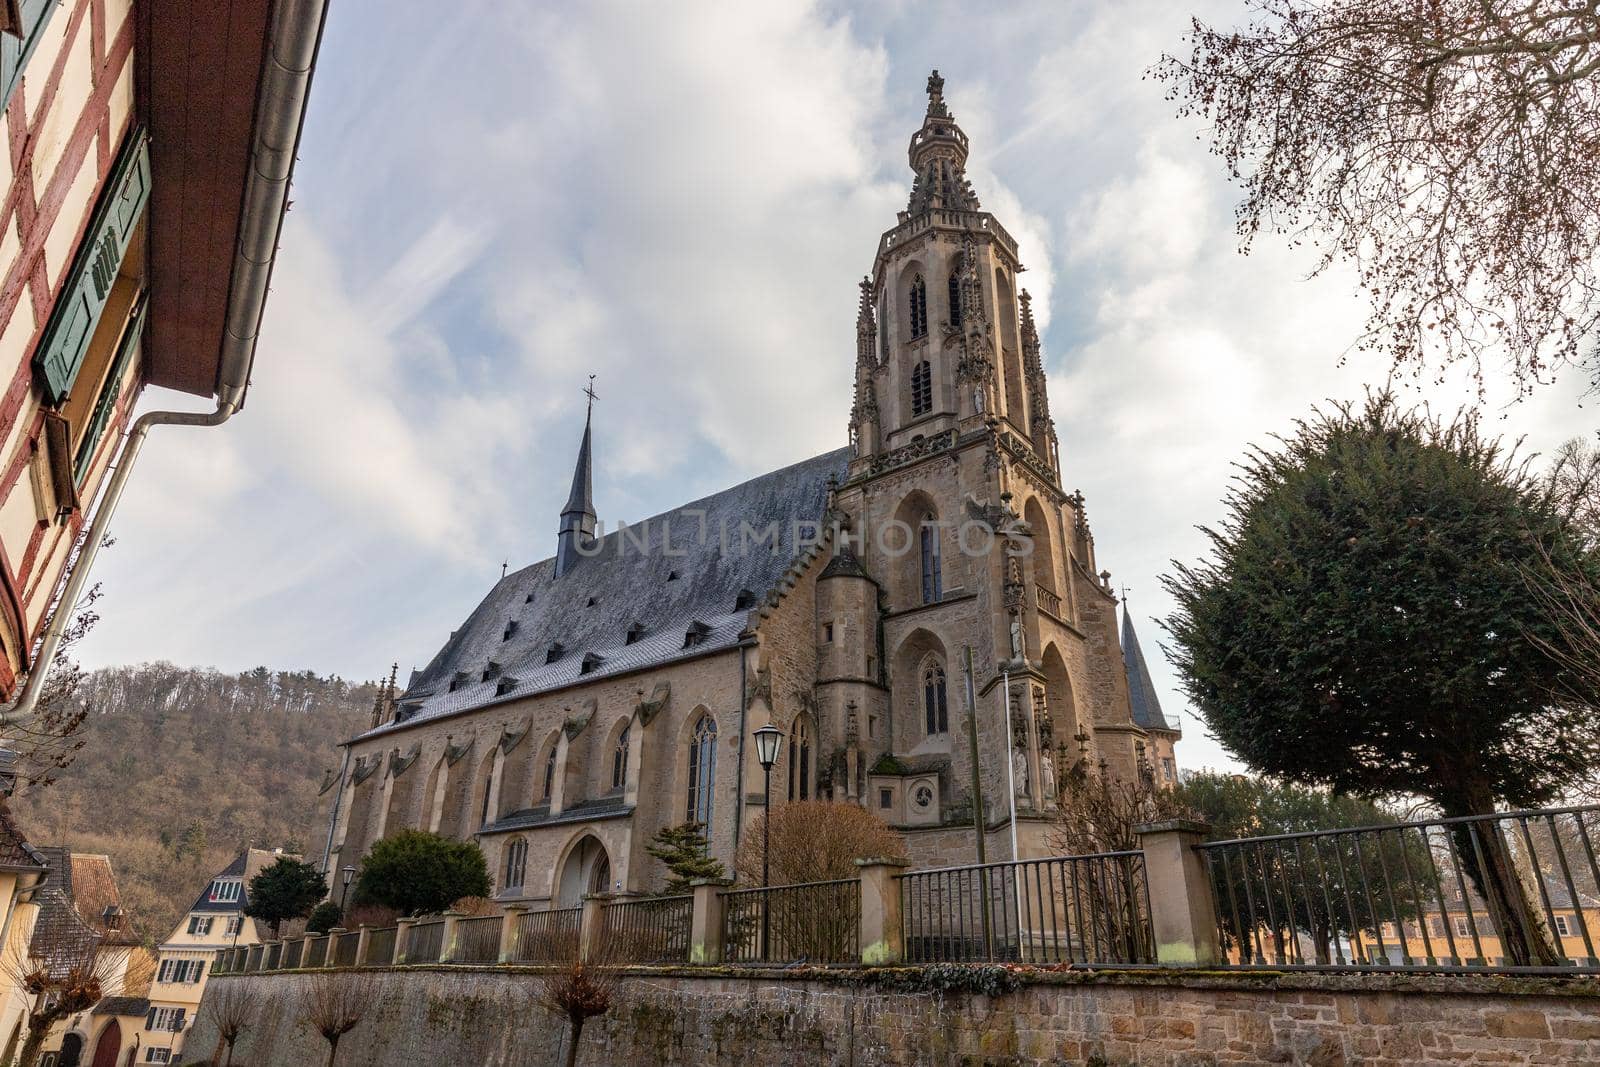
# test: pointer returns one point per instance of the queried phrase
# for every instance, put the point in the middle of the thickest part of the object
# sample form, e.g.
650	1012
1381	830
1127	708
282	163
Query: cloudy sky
680	199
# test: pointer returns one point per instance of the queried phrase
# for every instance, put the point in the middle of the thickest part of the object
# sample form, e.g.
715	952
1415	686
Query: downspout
290	60
738	778
333	819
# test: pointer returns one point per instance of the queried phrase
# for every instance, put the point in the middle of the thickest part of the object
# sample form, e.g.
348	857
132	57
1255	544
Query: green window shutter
17	48
83	297
107	403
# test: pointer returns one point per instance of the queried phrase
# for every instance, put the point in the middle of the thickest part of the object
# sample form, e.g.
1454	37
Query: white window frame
226	890
1564	925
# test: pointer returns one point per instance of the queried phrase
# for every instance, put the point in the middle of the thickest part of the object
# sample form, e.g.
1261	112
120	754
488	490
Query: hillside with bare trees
182	767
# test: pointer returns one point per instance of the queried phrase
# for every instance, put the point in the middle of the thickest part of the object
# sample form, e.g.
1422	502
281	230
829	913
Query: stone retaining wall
453	1015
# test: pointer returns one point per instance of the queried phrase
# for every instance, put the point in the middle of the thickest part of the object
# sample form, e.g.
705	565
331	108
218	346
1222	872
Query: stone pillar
705	920
508	931
305	947
1183	914
882	940
363	935
335	936
402	939
592	926
448	943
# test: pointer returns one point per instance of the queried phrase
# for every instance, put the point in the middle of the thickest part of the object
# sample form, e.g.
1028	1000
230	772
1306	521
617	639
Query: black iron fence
547	936
316	952
1074	909
649	930
344	950
477	940
1518	891
814	922
424	942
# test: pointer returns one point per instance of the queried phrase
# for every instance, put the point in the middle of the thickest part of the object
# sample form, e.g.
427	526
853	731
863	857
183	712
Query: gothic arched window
619	761
935	709
800	762
549	773
490	773
921	388
955	299
702	771
516	863
919	307
932	583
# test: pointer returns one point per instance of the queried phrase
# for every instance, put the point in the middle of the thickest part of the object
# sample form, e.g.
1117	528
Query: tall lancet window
935	709
921	389
619	760
955	299
928	534
800	761
702	771
549	773
919	307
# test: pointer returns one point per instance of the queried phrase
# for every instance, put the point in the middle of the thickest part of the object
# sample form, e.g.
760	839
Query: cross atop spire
578	517
593	396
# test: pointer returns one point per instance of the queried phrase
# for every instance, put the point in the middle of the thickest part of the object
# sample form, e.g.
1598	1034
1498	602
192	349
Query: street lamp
349	873
768	740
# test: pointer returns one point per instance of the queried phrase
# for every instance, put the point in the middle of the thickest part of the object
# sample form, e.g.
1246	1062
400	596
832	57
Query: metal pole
1011	776
766	855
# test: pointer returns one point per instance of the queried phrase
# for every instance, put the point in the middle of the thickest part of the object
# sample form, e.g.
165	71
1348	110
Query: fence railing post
402	940
305	946
450	941
1183	914
362	938
705	920
336	934
882	939
510	925
592	926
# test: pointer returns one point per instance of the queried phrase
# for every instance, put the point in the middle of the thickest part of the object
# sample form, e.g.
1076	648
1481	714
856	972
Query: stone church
920	612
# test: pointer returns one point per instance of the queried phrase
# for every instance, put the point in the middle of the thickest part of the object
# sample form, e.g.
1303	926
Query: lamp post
768	740
349	873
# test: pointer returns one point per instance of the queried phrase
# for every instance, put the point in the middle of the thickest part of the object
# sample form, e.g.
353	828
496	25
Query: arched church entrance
71	1051
587	869
110	1043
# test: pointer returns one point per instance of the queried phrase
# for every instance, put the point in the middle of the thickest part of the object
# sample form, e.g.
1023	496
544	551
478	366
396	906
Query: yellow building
149	150
215	921
1457	935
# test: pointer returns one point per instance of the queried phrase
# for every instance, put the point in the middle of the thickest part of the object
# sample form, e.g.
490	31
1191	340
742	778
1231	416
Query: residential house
145	174
215	921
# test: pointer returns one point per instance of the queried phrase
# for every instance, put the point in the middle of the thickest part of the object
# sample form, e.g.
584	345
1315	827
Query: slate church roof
1141	690
703	566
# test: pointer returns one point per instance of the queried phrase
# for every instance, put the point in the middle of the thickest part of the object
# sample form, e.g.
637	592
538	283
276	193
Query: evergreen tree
324	917
288	889
1367	623
420	873
683	850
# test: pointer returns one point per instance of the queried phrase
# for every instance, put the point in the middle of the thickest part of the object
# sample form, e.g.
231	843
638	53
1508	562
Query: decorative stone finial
936	106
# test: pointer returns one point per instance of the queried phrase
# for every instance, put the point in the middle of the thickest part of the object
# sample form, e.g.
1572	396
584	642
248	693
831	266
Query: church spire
864	411
578	517
938	156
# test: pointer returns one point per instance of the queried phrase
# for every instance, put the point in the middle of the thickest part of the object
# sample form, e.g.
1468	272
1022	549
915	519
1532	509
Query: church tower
954	511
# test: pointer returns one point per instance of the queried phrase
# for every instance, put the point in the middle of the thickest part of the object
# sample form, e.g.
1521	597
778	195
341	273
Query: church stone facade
919	612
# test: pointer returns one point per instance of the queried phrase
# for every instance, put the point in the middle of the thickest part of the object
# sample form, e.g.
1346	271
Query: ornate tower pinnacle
938	155
864	411
1042	430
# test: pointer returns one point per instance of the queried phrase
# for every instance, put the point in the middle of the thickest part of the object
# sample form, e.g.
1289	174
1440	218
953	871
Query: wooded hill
182	768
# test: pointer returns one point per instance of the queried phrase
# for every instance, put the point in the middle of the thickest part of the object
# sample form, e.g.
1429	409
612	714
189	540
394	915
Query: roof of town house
79	907
125	1007
14	848
1141	690
631	600
245	866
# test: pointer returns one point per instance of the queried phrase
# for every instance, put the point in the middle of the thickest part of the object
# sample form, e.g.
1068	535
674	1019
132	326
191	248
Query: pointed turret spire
938	156
578	517
864	411
1146	706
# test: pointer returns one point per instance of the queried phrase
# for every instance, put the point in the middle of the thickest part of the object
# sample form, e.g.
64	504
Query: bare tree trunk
30	1047
229	1061
572	1047
333	1049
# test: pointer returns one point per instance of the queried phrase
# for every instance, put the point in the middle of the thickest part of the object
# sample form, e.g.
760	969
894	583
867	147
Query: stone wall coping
904	979
1186	826
719	882
882	861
